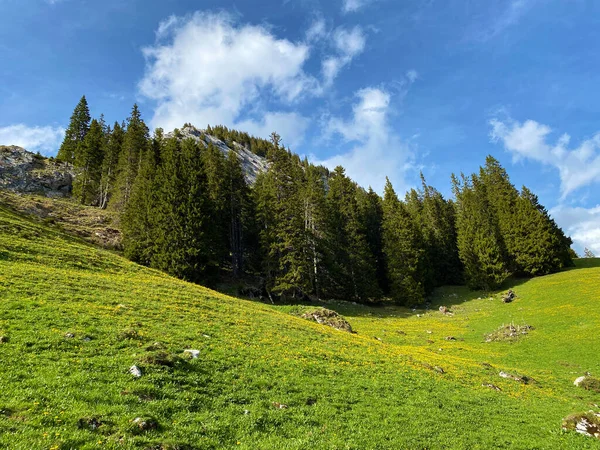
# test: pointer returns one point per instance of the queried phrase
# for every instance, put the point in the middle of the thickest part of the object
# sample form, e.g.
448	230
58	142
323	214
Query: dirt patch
510	333
328	317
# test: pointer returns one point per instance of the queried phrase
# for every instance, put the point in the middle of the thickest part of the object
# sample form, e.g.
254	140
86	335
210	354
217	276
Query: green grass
342	390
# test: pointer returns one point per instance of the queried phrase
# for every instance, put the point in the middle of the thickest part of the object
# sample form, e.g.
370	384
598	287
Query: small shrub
591	384
129	334
160	359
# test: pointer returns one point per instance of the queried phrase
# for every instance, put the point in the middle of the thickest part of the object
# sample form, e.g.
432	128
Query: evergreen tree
314	209
182	248
351	267
403	248
88	160
135	143
138	221
371	211
587	253
215	170
479	242
75	133
238	211
279	204
110	163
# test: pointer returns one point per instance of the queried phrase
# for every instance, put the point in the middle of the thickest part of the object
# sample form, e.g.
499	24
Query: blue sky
382	87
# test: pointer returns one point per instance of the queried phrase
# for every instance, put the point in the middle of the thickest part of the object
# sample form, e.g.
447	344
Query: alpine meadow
338	260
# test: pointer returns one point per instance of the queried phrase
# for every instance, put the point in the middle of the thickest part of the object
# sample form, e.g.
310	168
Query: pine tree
587	253
215	168
237	198
403	248
138	221
371	211
110	163
502	198
478	236
88	161
76	132
314	209
351	268
135	142
182	248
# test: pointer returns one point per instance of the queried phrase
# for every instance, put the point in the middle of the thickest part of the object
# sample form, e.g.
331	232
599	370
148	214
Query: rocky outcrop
23	171
252	164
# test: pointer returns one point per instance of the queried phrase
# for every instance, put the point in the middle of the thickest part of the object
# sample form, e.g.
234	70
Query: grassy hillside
74	319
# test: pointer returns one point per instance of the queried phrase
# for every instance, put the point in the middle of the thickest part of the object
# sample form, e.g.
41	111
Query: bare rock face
23	171
252	164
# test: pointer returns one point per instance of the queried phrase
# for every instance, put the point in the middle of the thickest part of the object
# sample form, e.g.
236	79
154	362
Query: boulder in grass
143	424
587	424
588	383
135	371
509	296
328	317
192	353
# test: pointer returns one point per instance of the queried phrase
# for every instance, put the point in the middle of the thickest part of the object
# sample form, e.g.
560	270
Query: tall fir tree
351	267
112	153
75	133
88	161
403	248
480	246
135	143
138	221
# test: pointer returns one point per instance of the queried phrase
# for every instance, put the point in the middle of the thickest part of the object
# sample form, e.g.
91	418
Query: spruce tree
403	248
75	133
351	267
238	211
135	143
88	161
480	246
110	163
138	220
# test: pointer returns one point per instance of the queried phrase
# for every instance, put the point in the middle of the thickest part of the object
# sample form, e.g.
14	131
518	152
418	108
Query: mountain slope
76	318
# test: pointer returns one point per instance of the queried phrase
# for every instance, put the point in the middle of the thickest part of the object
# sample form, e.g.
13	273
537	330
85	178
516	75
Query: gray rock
252	164
26	172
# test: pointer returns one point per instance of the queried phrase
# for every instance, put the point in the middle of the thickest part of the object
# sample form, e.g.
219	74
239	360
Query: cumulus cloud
376	150
347	44
207	69
582	224
45	140
578	166
349	6
317	30
291	126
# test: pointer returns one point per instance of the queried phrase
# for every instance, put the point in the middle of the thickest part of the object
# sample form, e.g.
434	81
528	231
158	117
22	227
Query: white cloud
348	44
353	5
377	150
578	166
500	19
582	224
412	75
207	69
317	30
46	140
291	126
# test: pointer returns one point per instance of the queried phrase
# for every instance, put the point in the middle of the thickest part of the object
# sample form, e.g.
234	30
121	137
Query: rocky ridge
23	171
252	164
